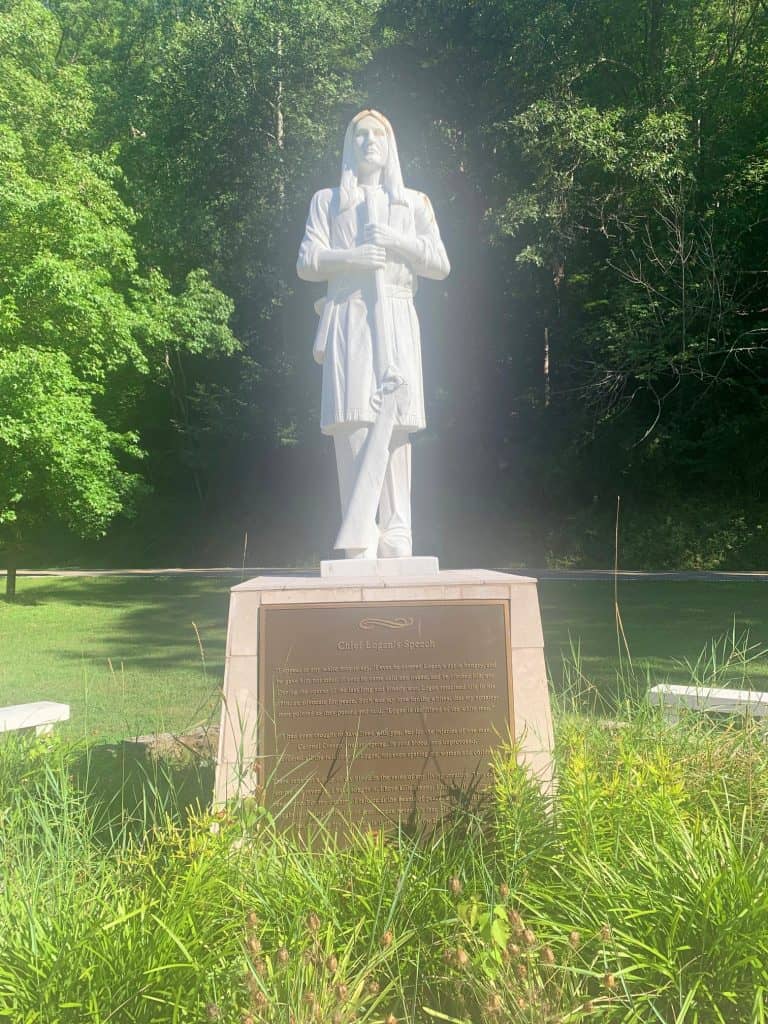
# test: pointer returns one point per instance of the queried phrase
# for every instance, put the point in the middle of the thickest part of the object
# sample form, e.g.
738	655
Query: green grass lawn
124	651
666	624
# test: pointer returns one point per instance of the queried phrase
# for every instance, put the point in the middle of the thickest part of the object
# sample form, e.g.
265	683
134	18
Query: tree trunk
280	121
10	578
655	46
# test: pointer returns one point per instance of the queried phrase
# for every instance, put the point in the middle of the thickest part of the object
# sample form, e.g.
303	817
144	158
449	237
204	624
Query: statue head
370	142
371	146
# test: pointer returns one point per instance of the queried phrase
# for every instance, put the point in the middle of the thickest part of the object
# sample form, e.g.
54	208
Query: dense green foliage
62	454
621	153
599	172
80	320
641	897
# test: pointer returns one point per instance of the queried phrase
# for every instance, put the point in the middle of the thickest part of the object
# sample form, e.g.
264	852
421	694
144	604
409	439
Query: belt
342	293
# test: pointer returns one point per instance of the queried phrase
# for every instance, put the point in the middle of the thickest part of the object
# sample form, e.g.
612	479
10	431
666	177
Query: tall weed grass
639	893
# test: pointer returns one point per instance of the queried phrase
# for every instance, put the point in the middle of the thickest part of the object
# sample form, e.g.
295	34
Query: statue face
371	145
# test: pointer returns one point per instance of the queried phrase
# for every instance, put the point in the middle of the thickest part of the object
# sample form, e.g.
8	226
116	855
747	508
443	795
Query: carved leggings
394	526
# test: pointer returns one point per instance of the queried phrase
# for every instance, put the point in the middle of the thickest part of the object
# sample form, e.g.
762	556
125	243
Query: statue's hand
382	234
367	257
393	381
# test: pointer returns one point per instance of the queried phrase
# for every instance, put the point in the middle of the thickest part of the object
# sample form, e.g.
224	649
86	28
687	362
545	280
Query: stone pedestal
416	565
380	696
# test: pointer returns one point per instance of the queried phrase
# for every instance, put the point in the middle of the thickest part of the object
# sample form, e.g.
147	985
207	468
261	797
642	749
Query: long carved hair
392	176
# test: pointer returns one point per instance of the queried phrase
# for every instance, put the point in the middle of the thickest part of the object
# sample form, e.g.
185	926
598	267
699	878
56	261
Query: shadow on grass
25	600
129	790
83	591
669	626
156	616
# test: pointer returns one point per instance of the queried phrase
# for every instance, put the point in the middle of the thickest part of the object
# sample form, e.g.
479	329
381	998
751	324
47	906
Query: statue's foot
369	552
395	543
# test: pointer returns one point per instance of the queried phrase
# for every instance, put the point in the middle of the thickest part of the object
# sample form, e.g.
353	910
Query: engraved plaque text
374	713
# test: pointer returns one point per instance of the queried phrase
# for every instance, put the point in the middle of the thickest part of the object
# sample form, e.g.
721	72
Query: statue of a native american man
370	239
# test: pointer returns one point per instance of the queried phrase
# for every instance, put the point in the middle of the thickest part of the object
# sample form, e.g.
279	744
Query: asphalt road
247	572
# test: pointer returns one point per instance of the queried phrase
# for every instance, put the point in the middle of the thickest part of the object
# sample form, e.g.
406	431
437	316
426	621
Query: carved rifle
392	397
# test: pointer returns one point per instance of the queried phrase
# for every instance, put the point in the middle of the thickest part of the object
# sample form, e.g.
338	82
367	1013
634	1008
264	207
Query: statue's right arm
318	260
317	239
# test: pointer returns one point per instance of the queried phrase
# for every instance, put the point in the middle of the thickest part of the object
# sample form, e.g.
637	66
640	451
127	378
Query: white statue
371	239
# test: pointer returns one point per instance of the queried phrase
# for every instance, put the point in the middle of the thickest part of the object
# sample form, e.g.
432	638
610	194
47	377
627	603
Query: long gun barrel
360	520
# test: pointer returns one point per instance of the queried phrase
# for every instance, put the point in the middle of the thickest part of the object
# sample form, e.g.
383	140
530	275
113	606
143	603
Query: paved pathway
541	574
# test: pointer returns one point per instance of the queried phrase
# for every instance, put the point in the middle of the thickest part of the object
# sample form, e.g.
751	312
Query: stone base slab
338	568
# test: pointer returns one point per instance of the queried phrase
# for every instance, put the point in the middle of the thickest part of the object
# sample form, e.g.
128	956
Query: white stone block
40	715
420	565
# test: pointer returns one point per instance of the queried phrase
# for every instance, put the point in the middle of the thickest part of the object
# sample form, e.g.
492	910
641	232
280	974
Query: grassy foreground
136	655
641	897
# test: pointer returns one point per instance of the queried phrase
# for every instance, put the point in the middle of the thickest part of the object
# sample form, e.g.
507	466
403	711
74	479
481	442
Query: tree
600	175
79	320
225	114
59	460
620	151
639	180
235	111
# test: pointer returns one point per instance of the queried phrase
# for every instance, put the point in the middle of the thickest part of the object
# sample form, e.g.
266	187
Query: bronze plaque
374	713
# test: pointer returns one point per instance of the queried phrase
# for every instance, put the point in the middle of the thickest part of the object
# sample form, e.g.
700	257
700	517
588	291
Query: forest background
599	170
